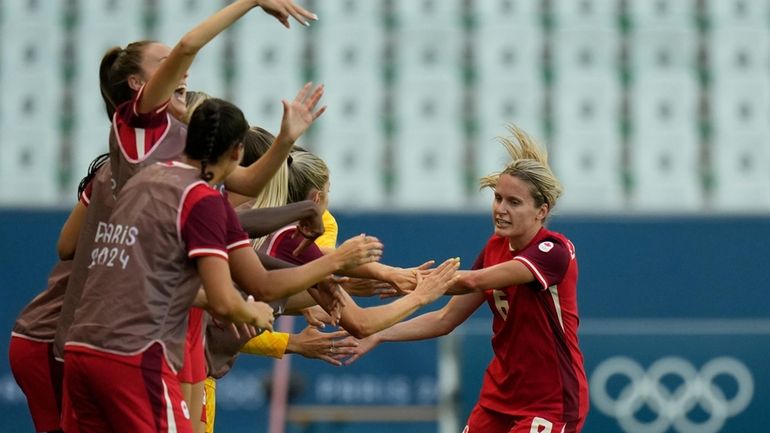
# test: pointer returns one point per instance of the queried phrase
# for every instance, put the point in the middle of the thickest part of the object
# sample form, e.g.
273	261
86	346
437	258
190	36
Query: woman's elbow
357	329
65	250
225	308
187	46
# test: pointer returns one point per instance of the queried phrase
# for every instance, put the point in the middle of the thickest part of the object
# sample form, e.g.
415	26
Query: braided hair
92	168
215	127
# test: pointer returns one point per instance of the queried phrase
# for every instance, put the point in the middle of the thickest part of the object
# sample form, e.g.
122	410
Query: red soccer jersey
138	133
537	369
209	225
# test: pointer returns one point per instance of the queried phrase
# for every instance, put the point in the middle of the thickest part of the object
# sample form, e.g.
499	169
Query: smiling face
514	211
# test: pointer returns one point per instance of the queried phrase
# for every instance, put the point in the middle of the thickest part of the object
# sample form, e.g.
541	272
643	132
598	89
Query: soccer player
170	231
527	275
143	86
37	372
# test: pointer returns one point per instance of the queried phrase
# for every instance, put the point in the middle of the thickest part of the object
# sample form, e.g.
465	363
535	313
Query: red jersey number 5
501	303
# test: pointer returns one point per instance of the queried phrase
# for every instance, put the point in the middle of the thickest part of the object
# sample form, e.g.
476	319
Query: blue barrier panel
631	268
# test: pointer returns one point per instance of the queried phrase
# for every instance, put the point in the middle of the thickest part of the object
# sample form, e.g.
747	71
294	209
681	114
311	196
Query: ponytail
92	168
116	66
104	78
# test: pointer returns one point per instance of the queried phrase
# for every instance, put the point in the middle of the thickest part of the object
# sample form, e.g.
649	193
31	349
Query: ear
236	153
315	196
135	82
542	213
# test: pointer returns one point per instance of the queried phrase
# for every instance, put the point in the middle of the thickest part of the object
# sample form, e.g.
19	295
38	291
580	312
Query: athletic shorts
194	367
483	420
39	376
105	392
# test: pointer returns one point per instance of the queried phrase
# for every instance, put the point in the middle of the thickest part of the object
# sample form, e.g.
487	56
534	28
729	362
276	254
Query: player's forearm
422	327
281	283
252	179
204	32
362	323
70	232
270	262
374	271
261	222
161	86
296	303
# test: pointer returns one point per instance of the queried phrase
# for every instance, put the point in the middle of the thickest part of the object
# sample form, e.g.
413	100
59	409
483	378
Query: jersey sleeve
85	196
329	238
479	262
286	242
236	237
547	259
203	223
268	343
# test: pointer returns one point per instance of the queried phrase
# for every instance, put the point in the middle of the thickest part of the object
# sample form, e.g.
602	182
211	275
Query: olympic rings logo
671	406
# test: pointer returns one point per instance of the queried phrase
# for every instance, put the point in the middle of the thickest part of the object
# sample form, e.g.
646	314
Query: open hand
438	281
327	346
300	113
282	9
358	251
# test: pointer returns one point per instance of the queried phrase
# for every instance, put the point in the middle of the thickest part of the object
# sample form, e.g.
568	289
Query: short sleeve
204	224
479	262
85	196
236	237
329	238
547	259
287	241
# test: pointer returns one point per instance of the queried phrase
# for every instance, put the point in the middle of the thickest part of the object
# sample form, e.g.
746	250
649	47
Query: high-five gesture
300	113
281	9
357	251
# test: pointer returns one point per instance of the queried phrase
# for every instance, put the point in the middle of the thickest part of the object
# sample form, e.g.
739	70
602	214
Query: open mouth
180	93
502	223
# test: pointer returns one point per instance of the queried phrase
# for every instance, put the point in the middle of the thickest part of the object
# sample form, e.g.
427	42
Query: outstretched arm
70	232
362	322
171	72
251	276
505	274
223	300
262	222
425	326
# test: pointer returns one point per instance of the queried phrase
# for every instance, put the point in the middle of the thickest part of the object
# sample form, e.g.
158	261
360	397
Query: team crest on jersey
185	410
545	246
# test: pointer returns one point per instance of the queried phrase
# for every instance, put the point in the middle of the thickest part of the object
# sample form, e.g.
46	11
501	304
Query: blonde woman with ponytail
527	275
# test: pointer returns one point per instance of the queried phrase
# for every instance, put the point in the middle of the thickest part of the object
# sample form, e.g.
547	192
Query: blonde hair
306	172
276	192
193	100
529	162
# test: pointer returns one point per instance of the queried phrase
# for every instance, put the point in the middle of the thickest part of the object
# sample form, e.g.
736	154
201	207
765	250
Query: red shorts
39	376
483	420
194	367
105	392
